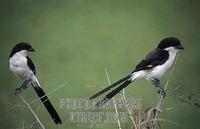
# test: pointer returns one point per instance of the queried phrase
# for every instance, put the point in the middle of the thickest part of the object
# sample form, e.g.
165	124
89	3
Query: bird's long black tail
114	92
47	104
110	87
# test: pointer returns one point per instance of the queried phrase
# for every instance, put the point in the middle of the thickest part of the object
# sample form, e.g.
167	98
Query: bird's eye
28	47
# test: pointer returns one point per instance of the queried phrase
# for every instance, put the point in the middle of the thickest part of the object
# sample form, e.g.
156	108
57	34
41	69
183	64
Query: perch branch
31	110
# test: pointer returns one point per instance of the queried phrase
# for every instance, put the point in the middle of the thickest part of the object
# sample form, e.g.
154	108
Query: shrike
151	68
22	66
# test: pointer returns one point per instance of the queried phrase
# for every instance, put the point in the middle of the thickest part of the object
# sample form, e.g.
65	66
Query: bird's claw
23	86
156	83
17	91
162	92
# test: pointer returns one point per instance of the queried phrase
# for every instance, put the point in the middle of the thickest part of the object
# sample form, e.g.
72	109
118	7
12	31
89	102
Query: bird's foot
23	86
162	92
156	82
18	91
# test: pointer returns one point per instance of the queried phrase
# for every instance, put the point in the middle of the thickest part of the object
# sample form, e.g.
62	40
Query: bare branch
114	102
129	111
31	110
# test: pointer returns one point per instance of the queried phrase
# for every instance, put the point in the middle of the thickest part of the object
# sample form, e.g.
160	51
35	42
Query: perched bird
151	68
22	66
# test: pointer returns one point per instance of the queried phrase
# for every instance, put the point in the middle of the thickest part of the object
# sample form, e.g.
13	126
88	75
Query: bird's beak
180	47
31	50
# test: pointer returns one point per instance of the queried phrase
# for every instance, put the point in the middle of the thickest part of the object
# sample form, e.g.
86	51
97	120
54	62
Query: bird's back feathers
153	59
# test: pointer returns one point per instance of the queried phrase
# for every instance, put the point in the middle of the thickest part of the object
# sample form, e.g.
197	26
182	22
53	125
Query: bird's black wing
31	65
154	58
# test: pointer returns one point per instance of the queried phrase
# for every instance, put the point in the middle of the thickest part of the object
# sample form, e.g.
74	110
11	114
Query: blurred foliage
77	39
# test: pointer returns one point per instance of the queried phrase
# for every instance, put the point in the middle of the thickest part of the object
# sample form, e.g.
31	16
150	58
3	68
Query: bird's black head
170	42
20	47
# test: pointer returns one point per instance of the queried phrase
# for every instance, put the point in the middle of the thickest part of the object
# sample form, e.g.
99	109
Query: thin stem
114	102
31	110
128	110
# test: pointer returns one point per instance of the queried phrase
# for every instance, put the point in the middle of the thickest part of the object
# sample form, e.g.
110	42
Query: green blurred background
77	39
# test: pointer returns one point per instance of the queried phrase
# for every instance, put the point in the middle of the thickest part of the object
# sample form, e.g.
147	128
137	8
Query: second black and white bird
151	68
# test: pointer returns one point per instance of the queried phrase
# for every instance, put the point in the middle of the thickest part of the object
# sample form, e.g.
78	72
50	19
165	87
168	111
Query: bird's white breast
18	65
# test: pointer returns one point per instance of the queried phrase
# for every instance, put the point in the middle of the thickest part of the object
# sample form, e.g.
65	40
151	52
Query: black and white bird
22	66
151	68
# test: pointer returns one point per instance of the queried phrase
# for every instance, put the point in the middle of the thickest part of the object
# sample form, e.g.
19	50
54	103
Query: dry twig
114	102
31	110
129	111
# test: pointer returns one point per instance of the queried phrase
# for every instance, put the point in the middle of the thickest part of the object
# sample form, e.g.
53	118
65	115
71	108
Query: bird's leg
24	85
157	83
